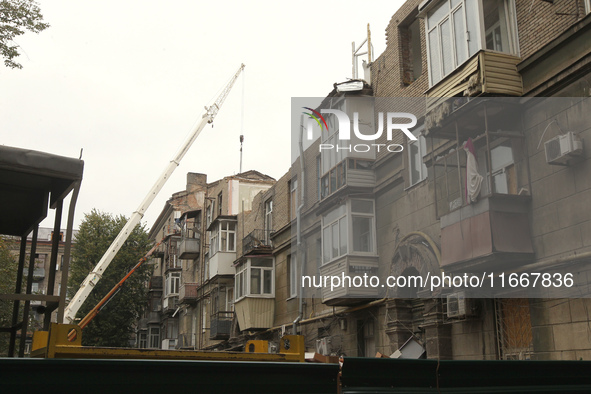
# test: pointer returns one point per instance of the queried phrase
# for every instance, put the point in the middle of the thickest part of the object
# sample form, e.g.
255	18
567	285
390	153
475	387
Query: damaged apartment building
477	74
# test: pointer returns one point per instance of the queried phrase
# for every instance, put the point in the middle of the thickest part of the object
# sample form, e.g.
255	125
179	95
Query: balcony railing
189	248
221	325
258	241
188	293
38	273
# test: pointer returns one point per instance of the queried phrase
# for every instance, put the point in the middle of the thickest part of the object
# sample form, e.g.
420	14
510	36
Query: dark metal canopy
29	182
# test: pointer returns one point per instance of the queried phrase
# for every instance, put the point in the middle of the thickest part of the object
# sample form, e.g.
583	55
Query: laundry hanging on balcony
473	178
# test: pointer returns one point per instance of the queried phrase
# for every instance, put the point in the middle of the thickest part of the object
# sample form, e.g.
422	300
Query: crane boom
93	278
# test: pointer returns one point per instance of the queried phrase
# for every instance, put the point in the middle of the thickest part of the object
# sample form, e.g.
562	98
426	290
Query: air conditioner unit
458	305
560	150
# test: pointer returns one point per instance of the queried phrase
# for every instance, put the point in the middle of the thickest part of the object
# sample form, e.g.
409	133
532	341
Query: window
293	198
143	340
455	33
587	6
223	237
416	151
154	337
348	229
504	178
362	224
334	179
293	275
268	220
319	177
204	318
208	215
255	277
227	236
333	168
229	299
220	204
334	234
173	283
172	329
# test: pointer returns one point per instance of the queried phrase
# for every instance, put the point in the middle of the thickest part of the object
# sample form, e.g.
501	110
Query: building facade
411	212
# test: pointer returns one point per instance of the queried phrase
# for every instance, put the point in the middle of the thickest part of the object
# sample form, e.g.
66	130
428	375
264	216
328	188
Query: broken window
410	45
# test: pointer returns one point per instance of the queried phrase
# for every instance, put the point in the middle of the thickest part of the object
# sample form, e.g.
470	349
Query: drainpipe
300	250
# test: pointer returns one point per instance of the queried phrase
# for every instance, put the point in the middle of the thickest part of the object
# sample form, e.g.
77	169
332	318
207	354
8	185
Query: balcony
487	72
188	293
189	248
221	325
492	234
155	283
38	273
350	266
258	242
170	304
255	313
153	317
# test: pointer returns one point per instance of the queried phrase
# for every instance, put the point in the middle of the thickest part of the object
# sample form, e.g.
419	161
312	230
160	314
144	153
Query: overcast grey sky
126	81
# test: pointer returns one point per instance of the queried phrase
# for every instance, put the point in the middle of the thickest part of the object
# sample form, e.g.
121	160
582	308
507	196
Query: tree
17	16
8	268
115	323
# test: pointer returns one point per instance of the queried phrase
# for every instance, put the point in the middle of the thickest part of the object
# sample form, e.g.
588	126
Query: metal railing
257	240
221	325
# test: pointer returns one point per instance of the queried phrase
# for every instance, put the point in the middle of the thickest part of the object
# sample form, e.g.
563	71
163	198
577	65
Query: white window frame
268	219
229	299
292	261
143	340
216	237
340	220
430	26
587	6
421	145
293	198
244	275
173	282
154	337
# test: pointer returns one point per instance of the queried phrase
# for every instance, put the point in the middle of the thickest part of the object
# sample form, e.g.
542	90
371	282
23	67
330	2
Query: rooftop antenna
356	54
241	141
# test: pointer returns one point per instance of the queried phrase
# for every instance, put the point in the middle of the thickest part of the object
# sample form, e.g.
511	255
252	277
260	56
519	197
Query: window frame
511	27
172	284
216	237
244	278
293	198
154	338
344	220
292	271
421	144
268	219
